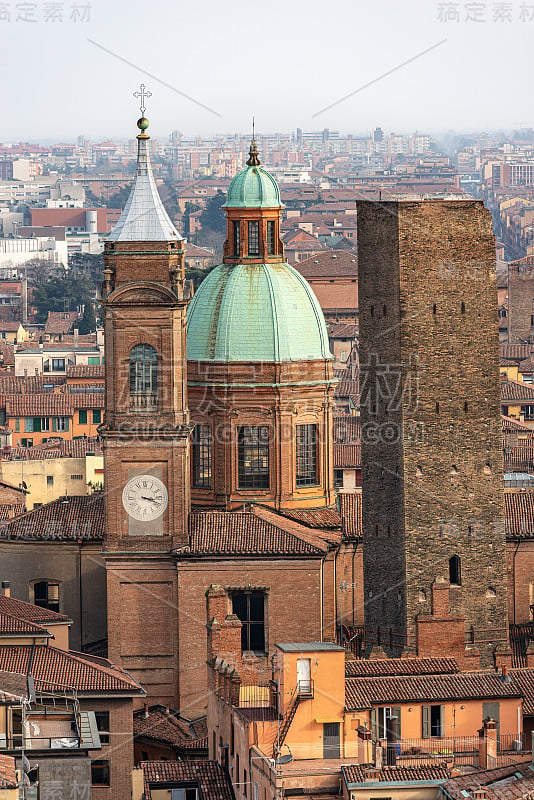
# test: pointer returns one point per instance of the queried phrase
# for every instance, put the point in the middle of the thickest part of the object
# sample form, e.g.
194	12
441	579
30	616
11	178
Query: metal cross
143	95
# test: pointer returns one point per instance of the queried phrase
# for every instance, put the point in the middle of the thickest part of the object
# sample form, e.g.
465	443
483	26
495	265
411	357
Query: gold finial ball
142	123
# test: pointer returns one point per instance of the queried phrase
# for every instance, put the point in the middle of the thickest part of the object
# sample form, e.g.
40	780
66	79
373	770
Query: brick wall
119	751
293	611
432	482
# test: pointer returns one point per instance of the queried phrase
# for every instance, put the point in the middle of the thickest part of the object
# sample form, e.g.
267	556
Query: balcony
460	750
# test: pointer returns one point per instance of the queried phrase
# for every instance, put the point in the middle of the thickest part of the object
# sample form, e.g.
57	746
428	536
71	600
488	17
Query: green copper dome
253	187
256	312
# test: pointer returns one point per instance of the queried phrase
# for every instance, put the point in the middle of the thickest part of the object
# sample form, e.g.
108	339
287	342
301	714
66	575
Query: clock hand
150	499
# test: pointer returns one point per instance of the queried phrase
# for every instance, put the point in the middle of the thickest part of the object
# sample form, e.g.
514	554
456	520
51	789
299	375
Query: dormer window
253	238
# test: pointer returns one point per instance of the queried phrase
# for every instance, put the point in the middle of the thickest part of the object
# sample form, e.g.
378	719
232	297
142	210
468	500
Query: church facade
237	419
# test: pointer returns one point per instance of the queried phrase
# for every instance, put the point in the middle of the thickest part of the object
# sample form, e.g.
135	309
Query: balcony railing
144	402
462	750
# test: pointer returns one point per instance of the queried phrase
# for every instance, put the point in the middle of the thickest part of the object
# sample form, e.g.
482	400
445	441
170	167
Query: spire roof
144	218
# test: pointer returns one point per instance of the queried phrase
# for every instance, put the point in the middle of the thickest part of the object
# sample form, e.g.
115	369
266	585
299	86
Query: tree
212	216
61	291
88	323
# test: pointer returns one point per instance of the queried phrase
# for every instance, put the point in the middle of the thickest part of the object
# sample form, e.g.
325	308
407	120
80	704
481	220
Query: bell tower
146	429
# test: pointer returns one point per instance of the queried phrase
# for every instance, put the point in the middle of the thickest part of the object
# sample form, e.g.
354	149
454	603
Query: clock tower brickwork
145	433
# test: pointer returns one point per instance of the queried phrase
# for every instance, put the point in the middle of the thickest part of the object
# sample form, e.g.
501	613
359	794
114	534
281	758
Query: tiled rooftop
511	782
163	725
68	518
366	692
212	780
357	773
400	666
55	670
29	612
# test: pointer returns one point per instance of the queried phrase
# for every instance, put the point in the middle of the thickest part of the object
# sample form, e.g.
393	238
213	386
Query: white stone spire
144	218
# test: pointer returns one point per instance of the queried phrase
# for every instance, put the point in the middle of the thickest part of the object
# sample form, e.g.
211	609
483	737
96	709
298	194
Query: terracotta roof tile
515	352
13	684
356	773
212	780
251	532
87	399
400	666
347	455
519	457
342	330
59	448
516	391
86	371
350	504
164	725
324	518
47	404
72	518
60	322
7	354
8	773
27	384
511	424
28	612
520	785
519	514
366	692
12	626
10	510
333	264
347	429
56	670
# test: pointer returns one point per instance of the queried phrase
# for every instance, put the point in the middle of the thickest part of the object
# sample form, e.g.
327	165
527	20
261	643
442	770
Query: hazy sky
282	61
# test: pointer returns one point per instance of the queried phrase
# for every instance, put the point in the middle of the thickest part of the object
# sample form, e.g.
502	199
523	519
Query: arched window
143	378
455	571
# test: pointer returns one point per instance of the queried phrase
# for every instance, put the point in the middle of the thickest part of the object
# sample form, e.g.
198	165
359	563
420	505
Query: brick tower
146	431
431	450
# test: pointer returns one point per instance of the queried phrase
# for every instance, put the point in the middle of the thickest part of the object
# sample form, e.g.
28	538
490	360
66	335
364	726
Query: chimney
145	706
6	588
487	747
76	334
480	793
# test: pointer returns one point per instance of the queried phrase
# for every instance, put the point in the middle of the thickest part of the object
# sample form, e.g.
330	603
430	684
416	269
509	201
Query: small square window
100	772
49	480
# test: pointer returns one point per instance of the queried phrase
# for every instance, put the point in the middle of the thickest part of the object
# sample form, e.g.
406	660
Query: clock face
145	498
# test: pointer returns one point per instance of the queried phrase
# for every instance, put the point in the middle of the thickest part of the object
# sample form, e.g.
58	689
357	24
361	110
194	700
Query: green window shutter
28	425
442	720
426	722
54	423
97	416
37	424
82	417
374	723
66	423
17	425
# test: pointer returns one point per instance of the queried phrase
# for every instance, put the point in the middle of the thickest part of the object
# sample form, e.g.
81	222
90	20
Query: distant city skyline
427	66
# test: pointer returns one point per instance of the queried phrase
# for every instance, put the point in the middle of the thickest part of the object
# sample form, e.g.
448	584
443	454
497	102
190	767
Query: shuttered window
433	721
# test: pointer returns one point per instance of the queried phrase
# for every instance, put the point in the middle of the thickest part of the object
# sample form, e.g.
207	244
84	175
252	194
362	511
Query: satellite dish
284	759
